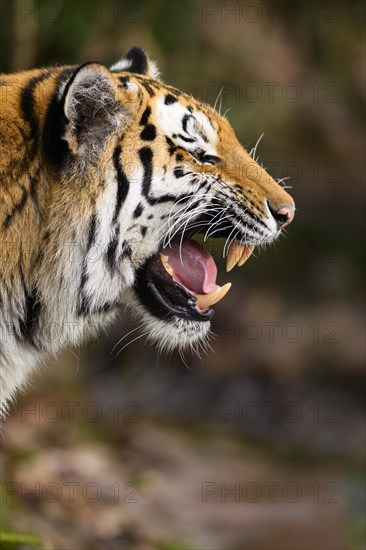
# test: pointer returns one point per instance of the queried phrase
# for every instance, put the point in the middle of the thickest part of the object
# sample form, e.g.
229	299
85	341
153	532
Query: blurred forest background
260	445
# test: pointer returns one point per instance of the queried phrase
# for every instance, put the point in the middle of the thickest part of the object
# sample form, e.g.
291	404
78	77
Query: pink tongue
193	267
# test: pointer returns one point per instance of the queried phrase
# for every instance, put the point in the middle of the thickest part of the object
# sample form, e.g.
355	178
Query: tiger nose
283	215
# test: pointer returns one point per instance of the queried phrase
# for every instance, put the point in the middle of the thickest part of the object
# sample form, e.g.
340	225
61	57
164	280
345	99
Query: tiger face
119	173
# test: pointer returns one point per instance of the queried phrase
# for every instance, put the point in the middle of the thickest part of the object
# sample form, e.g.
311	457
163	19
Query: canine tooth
206	300
247	252
164	260
234	254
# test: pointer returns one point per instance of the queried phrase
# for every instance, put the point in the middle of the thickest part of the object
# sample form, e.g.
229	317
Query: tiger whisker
125	336
253	151
218	97
131	342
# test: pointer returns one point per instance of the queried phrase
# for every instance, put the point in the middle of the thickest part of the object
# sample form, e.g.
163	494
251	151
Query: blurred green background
259	445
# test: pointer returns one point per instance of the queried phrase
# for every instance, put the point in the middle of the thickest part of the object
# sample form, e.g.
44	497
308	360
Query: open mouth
180	280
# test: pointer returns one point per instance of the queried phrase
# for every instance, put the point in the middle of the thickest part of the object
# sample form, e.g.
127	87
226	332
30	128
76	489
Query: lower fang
164	261
206	300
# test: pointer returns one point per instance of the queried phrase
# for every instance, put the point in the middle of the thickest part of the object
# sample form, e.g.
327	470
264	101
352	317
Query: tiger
107	177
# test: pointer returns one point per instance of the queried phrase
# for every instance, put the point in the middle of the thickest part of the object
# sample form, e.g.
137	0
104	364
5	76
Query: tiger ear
91	109
137	61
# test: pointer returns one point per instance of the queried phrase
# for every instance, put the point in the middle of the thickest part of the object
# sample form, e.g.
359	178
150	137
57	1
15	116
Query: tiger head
147	167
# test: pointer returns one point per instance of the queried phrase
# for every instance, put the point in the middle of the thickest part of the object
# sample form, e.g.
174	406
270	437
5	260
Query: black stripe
148	133
149	85
83	308
29	322
112	249
179	173
149	89
27	106
146	156
34	180
55	148
172	198
187	140
92	232
138	211
126	251
172	148
145	116
170	99
124	80
17	208
185	120
123	184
